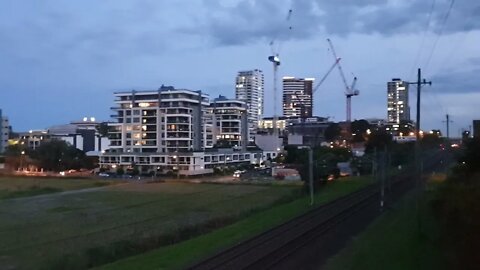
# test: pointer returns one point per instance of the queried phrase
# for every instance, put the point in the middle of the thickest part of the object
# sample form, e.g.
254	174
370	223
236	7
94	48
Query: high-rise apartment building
4	132
397	101
297	97
176	130
249	88
165	121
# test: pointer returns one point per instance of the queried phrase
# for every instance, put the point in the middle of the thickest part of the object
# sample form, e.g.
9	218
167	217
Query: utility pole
448	121
310	170
419	84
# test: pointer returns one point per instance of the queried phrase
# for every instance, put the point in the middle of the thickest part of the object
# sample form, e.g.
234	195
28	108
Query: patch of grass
32	191
79	230
62	209
394	241
14	187
180	255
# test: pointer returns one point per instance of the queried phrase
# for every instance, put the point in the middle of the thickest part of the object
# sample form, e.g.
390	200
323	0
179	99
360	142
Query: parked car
104	175
238	173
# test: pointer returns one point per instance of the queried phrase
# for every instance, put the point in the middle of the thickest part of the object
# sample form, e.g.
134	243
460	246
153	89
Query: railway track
270	248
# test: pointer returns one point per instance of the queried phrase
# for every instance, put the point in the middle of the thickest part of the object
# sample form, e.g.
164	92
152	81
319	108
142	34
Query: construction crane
326	75
275	59
350	91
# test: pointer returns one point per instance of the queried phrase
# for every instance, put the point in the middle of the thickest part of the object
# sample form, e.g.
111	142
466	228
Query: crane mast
349	90
275	59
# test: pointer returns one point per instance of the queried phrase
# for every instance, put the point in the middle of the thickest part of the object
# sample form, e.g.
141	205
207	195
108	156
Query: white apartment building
4	132
397	101
297	97
164	121
249	87
174	130
228	119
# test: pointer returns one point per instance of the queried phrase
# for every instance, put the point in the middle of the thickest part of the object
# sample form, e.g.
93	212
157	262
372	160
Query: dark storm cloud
248	20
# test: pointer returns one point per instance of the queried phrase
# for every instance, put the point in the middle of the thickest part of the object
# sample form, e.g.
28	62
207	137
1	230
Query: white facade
164	121
397	101
4	132
249	87
193	163
228	122
174	130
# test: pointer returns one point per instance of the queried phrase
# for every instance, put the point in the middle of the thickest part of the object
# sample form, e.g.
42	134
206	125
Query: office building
297	97
81	134
397	101
249	88
476	128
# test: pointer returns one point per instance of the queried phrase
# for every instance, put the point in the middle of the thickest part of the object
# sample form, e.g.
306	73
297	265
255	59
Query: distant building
228	121
81	134
376	122
398	108
297	97
4	132
249	88
476	128
309	132
266	124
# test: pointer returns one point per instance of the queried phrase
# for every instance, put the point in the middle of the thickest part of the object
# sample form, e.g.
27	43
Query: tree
57	155
103	129
378	139
431	141
332	132
16	150
359	128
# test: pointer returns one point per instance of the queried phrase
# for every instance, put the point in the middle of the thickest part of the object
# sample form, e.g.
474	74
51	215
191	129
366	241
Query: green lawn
179	255
80	229
14	187
393	242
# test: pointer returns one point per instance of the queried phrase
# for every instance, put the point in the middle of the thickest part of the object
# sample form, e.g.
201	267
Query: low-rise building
309	132
81	134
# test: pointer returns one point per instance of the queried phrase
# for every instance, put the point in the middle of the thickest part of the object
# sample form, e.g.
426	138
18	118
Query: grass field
180	255
80	229
394	242
15	187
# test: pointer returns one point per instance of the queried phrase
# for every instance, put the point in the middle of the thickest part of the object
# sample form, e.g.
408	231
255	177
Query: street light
21	159
310	170
178	166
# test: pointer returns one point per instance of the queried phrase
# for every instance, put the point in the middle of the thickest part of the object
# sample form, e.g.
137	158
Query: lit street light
21	159
178	166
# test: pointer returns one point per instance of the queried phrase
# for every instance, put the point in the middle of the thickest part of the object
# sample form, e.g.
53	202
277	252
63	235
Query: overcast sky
62	60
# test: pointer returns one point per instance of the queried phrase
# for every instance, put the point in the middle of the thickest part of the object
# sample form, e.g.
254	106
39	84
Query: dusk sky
62	60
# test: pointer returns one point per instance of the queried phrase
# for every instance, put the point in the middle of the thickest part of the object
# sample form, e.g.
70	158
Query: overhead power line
440	33
420	49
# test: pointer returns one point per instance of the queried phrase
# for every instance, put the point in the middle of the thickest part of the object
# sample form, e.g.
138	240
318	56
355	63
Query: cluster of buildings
185	131
188	132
